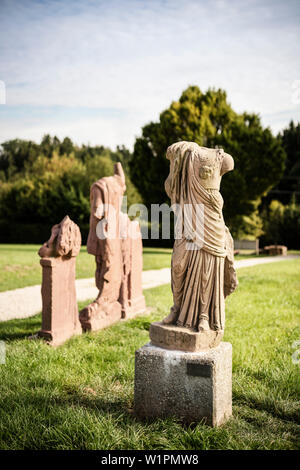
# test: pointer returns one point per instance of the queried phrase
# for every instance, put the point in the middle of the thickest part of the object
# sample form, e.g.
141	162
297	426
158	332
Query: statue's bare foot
170	319
203	325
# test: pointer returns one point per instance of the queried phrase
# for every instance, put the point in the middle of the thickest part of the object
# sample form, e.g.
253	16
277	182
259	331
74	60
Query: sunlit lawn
80	395
20	264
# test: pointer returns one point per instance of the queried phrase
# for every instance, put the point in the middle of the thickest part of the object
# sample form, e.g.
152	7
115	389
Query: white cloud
139	55
106	130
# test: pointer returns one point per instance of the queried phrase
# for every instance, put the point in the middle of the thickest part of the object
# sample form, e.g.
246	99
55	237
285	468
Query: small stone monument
60	318
185	371
276	250
118	256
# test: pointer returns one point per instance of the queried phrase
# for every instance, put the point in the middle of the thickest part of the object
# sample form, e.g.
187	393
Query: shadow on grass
71	397
271	407
20	328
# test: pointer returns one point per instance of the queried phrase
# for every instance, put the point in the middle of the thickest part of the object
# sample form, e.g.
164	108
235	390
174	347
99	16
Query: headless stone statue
104	243
198	386
116	243
202	267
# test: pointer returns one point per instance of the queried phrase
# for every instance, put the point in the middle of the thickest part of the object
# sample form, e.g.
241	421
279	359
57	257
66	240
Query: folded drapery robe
202	263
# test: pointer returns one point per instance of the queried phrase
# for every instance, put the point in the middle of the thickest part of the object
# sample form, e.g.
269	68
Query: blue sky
97	71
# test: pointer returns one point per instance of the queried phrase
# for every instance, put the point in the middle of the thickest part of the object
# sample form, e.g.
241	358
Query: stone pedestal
134	308
60	318
183	339
190	386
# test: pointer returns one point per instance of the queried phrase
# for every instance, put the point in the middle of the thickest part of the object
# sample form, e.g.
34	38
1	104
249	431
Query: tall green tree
66	147
289	185
209	120
14	154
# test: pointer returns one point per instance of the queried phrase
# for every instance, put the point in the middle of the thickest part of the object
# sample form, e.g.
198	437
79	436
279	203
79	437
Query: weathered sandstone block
60	318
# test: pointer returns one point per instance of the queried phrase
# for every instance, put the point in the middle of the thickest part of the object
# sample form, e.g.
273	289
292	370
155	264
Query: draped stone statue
202	266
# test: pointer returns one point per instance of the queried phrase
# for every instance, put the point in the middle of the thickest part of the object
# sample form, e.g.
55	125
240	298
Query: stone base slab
190	386
106	315
183	339
135	307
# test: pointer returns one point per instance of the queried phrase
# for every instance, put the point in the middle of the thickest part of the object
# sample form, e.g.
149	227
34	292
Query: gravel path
26	302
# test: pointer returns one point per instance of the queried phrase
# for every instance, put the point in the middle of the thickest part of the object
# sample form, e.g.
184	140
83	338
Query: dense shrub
40	184
281	224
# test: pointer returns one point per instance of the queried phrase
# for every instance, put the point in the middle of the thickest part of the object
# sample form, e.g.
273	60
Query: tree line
40	183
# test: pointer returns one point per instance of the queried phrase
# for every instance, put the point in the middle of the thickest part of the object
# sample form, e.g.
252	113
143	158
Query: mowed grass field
20	264
80	395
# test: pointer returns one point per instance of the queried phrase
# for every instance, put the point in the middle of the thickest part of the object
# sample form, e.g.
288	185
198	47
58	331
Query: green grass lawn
20	264
80	395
